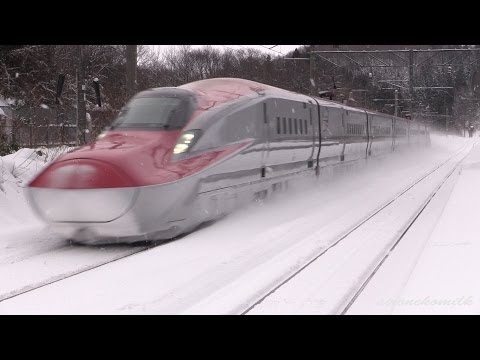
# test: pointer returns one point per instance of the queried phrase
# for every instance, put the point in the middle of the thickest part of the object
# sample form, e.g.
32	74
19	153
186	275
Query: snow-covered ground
222	268
330	283
435	269
16	170
17	221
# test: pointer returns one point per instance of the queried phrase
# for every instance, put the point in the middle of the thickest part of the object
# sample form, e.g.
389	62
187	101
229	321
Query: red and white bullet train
179	156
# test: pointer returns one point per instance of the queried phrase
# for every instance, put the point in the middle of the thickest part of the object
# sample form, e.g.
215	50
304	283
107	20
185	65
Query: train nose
81	174
81	190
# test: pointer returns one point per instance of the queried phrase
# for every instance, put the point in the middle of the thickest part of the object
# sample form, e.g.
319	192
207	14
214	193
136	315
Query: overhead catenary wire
243	47
266	47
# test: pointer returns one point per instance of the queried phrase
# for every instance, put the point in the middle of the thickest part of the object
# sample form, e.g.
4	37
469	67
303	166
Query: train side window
278	125
301	126
284	125
296	126
289	125
306	126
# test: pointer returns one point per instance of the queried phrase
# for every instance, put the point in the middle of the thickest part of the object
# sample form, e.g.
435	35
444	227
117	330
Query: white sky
277	50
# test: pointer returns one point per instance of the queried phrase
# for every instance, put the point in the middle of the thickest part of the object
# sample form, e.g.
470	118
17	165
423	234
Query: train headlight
186	141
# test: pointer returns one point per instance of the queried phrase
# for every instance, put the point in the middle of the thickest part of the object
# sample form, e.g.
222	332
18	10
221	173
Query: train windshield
153	112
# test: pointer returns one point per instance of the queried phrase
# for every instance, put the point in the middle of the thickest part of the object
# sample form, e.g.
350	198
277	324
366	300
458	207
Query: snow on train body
177	157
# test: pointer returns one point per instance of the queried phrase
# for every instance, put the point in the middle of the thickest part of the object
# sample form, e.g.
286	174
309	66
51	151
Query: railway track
408	225
71	250
90	264
461	154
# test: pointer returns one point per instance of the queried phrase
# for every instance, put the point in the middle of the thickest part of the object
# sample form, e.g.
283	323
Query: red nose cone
81	174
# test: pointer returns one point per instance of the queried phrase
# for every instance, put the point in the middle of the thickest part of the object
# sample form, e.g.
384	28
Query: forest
439	83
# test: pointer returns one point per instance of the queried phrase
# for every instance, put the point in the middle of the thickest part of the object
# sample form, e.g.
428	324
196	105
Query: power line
243	47
272	49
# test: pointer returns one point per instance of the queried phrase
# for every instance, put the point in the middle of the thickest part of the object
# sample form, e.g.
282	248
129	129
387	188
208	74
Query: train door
288	147
332	131
312	136
356	138
266	106
369	135
344	136
315	122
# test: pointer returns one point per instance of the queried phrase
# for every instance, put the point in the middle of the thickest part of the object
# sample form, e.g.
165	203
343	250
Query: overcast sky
278	50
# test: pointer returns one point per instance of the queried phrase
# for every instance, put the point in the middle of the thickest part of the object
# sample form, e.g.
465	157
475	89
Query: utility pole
81	87
313	87
410	80
131	57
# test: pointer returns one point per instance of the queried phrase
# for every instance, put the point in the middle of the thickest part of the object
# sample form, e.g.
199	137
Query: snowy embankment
16	170
435	269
